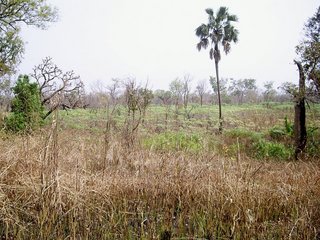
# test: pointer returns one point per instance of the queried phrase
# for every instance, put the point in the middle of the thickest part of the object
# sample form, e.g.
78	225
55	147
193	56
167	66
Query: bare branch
56	86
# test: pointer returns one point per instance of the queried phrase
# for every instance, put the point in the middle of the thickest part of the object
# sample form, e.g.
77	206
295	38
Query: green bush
284	132
273	150
26	111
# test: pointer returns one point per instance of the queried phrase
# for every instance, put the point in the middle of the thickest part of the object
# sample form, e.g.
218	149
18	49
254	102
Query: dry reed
60	186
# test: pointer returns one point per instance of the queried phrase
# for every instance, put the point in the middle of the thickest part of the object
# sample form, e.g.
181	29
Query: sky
155	41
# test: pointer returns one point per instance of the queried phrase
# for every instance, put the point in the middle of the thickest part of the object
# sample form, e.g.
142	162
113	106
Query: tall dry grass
65	185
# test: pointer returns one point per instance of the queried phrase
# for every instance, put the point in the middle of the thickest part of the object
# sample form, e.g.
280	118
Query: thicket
26	110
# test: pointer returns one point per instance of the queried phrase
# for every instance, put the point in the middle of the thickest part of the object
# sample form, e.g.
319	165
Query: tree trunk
219	97
300	130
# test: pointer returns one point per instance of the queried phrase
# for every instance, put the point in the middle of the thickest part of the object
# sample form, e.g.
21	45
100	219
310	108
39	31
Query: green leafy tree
222	89
13	14
11	49
242	87
176	89
26	110
309	55
219	31
5	94
309	69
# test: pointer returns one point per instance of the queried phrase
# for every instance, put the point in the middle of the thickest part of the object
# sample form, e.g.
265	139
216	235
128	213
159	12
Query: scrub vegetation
125	162
69	180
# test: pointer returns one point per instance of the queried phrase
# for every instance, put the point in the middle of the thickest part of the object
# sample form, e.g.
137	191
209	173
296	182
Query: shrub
284	132
273	150
277	133
27	111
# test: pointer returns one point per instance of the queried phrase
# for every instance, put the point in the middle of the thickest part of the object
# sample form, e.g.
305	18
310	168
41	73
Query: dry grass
67	186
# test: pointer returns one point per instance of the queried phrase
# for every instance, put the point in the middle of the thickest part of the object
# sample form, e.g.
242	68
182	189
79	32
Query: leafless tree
134	113
75	99
114	91
166	100
137	100
98	97
201	89
186	89
55	85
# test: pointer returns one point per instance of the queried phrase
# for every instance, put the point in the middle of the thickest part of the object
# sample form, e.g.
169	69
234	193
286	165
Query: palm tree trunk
219	97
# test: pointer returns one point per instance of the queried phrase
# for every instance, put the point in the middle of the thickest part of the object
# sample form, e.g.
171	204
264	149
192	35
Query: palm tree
218	31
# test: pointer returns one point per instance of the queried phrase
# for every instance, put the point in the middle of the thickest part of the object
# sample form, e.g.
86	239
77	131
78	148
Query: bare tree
98	98
176	89
269	92
166	100
137	100
75	99
201	89
55	85
113	91
112	98
300	129
186	88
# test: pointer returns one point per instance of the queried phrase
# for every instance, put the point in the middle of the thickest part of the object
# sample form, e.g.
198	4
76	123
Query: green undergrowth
254	145
174	141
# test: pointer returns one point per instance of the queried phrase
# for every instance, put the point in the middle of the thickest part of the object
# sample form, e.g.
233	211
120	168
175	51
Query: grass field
77	179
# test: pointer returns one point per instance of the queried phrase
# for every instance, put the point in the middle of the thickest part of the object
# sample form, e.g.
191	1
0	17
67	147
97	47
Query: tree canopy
13	14
309	53
218	30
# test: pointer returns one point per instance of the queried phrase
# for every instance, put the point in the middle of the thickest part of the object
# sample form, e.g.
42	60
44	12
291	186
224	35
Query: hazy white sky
155	39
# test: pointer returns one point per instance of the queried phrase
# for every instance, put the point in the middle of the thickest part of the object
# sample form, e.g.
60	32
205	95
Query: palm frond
202	30
235	35
232	18
217	35
204	42
222	14
230	33
199	46
211	53
226	46
209	11
211	17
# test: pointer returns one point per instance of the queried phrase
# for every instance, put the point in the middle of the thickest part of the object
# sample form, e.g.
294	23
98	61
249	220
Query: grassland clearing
178	181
